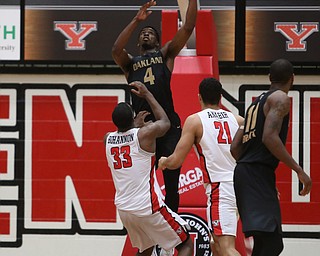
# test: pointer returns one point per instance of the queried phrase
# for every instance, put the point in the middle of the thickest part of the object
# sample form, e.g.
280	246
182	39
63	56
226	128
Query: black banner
75	35
171	2
291	34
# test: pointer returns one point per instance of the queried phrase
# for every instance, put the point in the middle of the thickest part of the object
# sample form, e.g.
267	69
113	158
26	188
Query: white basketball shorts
164	228
221	208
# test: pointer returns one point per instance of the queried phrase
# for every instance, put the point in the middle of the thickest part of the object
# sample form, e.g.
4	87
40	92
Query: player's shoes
163	252
158	251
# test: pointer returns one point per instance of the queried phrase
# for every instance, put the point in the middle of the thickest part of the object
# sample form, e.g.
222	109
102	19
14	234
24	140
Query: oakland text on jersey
120	139
217	115
147	62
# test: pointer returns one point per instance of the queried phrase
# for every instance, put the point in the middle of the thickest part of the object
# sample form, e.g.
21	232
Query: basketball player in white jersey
211	131
130	153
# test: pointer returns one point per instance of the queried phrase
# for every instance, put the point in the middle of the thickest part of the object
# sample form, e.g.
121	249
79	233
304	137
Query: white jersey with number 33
133	173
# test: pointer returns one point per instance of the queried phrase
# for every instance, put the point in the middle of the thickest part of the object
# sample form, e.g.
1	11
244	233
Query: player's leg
267	243
136	227
224	245
222	217
214	247
171	182
257	245
186	248
168	230
165	147
146	252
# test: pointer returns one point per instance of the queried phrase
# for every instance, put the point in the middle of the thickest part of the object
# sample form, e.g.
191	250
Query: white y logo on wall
296	37
75	32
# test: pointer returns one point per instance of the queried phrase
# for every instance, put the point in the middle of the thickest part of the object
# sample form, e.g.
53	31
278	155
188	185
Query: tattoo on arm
276	114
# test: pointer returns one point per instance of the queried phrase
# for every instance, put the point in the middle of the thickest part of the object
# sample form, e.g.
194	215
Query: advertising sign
77	35
9	32
282	33
54	34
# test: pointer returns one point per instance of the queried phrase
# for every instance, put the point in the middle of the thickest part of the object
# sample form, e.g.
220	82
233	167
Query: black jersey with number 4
152	70
254	149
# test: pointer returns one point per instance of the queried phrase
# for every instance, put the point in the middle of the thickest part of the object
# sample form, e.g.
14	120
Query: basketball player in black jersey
258	147
154	67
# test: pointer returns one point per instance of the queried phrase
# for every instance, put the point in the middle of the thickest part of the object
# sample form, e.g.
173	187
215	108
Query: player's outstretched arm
188	138
172	48
119	54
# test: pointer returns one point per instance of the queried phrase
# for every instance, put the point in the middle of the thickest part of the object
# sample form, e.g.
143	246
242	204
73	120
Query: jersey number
126	160
148	76
250	123
223	129
251	118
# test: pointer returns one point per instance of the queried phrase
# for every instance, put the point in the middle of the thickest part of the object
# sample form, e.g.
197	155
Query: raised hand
139	119
139	89
143	13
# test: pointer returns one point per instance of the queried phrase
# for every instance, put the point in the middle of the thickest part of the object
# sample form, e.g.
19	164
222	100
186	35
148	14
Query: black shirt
254	150
152	70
